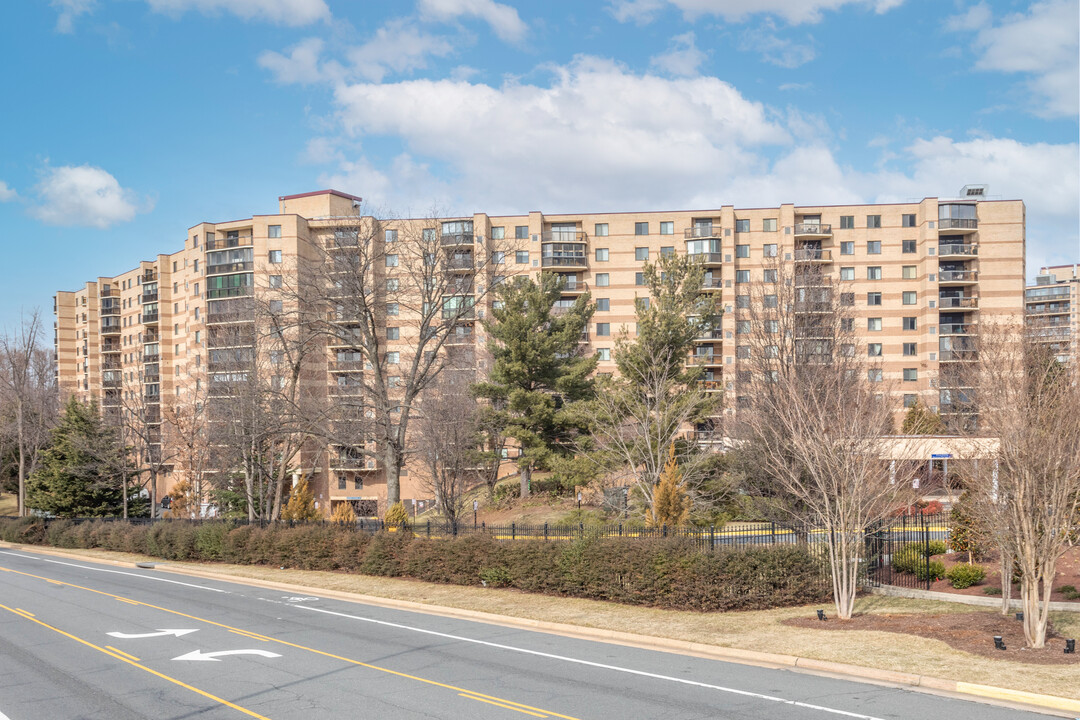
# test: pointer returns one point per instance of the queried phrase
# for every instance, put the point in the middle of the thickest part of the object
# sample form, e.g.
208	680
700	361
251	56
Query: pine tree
301	506
670	503
921	421
396	515
539	370
81	472
343	514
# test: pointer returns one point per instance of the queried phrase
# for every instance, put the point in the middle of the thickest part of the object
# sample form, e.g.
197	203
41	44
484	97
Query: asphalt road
85	640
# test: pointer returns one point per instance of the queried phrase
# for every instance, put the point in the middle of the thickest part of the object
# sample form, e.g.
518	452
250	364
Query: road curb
1030	701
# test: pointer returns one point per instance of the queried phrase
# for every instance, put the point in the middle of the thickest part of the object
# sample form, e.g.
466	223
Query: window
742	327
195	242
391	308
910	272
275	257
911	349
873	272
742	251
908	220
644	303
641	228
769	276
910	297
603	329
196	289
521	232
602	280
641	253
667	251
393	333
847	248
742	301
873	247
603	304
847	299
272	231
393	381
498	233
521	257
742	276
847	273
769	301
874	375
873	221
603	354
600	230
847	324
909	246
601	254
499	257
873	350
847	350
393	357
910	400
873	324
275	306
873	298
391	261
742	226
768	225
768	250
911	374
198	337
275	281
392	284
772	326
639	278
667	228
909	323
847	222
742	352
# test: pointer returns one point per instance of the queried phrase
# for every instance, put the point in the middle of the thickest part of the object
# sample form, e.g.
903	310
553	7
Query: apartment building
917	278
1051	309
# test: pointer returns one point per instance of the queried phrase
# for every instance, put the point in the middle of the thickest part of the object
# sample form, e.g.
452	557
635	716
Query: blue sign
940	456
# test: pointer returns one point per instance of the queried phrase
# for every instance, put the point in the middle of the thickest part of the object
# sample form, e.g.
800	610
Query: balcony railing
110	347
708	258
461	263
711	385
110	329
704	436
957	249
155	378
459	314
457	339
111	383
229	292
812	229
712	283
701	232
151	358
349	463
957	355
149	318
958	224
111	310
548	261
346	390
149	297
107	291
351	366
462	238
230	268
149	276
576	287
955	329
812	254
227	317
563	236
228	242
947	276
703	360
958	303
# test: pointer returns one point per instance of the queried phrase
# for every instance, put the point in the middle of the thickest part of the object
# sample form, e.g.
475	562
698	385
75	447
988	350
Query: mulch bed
970	632
1068	573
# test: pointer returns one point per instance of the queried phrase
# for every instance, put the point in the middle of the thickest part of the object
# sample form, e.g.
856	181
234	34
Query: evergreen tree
81	473
919	420
670	503
539	370
301	505
343	514
396	515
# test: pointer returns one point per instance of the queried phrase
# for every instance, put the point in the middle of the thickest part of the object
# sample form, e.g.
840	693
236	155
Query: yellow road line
298	647
252	636
121	652
26	612
492	702
129	602
163	676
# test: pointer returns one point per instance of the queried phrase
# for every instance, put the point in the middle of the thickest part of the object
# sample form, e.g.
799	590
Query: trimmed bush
1069	592
935	570
964	576
911	558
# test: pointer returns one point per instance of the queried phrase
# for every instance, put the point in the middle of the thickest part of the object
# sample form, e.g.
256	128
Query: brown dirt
1068	573
969	632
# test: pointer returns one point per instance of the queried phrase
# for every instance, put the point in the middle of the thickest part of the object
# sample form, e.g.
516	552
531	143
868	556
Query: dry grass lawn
758	630
9	504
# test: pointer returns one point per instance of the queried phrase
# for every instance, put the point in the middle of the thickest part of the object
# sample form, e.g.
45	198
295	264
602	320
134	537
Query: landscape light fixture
821	615
999	643
1070	647
1020	617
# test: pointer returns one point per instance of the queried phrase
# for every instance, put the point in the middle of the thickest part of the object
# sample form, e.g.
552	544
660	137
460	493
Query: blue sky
127	121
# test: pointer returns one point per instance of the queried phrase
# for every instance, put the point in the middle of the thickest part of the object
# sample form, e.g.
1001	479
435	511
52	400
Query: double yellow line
463	692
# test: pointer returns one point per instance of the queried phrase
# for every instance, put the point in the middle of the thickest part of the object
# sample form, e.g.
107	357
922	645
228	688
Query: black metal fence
899	551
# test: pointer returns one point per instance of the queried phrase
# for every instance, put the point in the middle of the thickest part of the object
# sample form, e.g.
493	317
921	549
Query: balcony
965	225
111	364
453	239
111	383
459	313
110	310
955	329
460	339
958	303
229	292
151	358
708	258
575	288
461	263
230	268
708	360
564	260
345	462
960	355
563	236
711	386
346	366
149	276
227	317
149	318
346	390
957	250
702	232
110	329
813	255
711	336
227	242
149	297
107	291
820	230
704	436
148	378
958	277
111	347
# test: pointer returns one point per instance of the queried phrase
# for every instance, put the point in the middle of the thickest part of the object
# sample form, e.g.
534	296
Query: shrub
992	590
911	558
964	576
396	515
210	540
1069	592
496	577
934	571
936	547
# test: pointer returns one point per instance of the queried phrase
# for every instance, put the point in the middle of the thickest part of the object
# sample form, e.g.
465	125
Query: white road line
116	572
590	663
4	717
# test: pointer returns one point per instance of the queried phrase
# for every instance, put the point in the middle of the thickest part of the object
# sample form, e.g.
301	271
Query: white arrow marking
159	633
213	656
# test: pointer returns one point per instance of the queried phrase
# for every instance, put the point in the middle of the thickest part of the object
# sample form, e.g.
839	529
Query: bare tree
811	416
28	384
185	427
394	293
1013	389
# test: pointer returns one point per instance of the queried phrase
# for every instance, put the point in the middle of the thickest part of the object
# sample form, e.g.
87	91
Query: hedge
667	573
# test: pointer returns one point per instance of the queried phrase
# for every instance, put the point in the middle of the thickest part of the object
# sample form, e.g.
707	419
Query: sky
125	122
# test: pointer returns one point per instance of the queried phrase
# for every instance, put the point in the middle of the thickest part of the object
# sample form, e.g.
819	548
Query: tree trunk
1006	581
21	504
1035	602
123	491
153	494
526	480
393	476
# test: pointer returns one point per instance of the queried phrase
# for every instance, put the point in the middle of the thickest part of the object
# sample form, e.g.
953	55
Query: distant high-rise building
1051	309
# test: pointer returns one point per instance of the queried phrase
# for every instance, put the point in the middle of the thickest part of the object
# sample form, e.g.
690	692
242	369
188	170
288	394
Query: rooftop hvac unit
974	191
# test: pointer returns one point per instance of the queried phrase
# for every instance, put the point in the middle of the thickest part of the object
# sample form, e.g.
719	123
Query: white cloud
7	194
682	58
1042	43
281	12
793	11
86	196
503	19
397	46
301	65
776	50
68	11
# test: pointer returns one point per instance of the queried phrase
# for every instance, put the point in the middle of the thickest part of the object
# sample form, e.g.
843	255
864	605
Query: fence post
772	536
620	529
663	530
582	528
712	537
513	531
545	532
483	527
454	527
429	527
926	549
